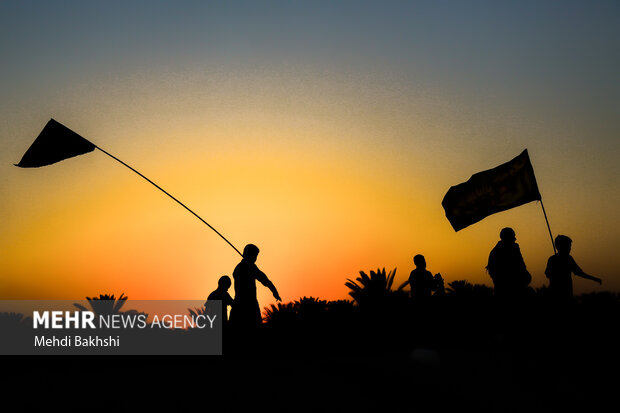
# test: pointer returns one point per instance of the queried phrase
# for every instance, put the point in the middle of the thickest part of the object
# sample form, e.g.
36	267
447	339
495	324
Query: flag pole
179	202
548	227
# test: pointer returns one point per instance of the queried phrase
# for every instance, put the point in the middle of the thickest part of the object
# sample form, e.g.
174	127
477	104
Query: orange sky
331	161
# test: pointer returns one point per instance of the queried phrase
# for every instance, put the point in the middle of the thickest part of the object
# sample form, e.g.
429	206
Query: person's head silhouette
250	252
507	235
419	261
563	244
224	283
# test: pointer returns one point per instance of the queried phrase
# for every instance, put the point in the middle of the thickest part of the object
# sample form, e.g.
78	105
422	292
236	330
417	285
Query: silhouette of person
246	313
221	294
421	280
506	266
559	269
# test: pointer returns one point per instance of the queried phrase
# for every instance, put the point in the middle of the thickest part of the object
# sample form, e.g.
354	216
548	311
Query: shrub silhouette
311	309
602	299
198	311
340	309
281	314
372	290
465	289
12	319
104	304
304	310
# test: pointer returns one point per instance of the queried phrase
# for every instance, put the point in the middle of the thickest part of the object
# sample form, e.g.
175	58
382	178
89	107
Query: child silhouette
221	294
559	269
421	280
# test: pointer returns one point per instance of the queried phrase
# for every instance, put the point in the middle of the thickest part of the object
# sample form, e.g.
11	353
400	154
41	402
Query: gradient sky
327	134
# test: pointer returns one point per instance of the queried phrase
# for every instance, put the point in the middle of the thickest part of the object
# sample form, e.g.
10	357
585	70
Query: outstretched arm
273	289
275	292
579	272
262	278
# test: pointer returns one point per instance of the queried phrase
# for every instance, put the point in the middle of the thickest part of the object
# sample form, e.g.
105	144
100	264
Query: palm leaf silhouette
371	288
104	304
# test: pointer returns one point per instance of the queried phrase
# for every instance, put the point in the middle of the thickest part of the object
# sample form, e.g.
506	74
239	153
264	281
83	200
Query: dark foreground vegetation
460	350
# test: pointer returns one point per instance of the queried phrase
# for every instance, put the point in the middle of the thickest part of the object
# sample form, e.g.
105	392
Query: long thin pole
179	202
548	227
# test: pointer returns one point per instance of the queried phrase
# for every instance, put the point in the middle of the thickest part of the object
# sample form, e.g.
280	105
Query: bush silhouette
372	290
306	310
281	314
463	288
104	304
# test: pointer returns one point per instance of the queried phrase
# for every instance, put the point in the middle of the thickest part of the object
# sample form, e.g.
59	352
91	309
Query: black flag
55	143
503	187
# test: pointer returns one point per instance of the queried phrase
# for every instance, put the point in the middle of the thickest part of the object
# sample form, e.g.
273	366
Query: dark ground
450	380
463	358
464	352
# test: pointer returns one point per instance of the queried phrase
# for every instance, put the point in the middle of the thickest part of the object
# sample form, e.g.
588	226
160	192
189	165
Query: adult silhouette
559	269
506	266
245	314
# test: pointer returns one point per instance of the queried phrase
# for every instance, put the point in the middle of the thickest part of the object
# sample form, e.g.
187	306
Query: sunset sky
326	133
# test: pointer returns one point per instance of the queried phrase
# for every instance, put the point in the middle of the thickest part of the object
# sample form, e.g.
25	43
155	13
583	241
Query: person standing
421	280
246	314
507	267
221	294
559	269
